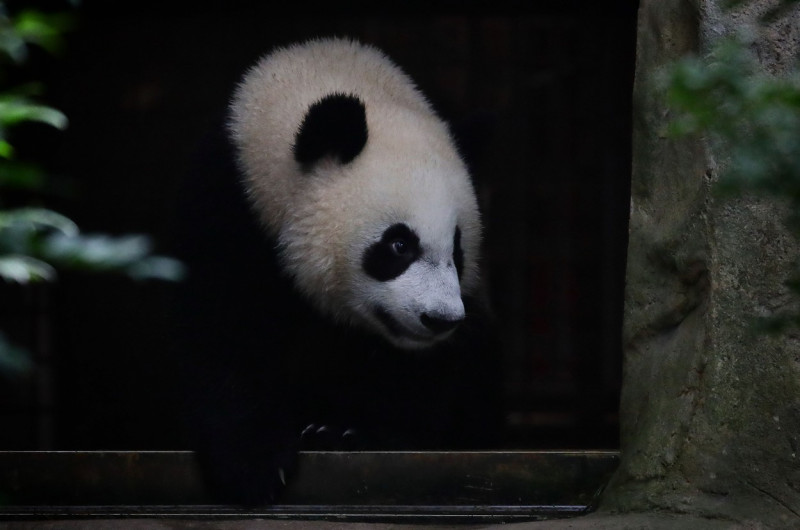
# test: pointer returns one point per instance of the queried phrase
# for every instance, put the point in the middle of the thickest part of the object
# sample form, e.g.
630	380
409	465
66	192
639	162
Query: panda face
393	254
360	182
416	294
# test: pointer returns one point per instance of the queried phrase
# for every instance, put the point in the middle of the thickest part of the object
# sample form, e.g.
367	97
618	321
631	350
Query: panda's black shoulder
234	298
212	211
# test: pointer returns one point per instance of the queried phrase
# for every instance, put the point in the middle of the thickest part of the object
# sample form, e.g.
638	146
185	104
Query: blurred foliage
13	360
752	116
35	242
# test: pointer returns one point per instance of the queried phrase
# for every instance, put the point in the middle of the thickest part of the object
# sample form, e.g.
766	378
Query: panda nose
438	324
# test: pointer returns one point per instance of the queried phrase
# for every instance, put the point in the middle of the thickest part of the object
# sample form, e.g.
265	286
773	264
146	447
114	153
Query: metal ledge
358	486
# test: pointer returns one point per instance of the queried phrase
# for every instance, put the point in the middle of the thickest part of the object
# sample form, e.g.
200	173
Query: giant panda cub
334	299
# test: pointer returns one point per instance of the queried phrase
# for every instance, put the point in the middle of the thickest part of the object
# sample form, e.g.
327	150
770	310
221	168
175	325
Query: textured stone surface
710	409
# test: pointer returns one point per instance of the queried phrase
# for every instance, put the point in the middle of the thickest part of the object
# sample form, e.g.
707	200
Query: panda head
372	206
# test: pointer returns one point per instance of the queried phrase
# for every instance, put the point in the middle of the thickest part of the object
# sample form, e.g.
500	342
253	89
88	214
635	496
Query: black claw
310	430
350	440
326	438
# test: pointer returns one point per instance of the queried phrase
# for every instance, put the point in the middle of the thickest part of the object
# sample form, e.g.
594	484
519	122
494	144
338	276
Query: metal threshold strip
343	486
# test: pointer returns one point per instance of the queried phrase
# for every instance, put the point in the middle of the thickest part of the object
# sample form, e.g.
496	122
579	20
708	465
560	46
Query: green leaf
157	268
16	109
43	29
20	175
37	219
11	43
6	149
95	252
25	269
29	89
129	254
13	360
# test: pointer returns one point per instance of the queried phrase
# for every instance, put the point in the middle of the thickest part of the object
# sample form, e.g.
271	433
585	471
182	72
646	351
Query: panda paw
317	437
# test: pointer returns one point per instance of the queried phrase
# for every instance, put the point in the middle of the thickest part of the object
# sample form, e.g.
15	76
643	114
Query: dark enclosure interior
541	91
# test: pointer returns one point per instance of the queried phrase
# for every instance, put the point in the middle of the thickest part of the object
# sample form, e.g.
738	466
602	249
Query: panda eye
388	258
399	247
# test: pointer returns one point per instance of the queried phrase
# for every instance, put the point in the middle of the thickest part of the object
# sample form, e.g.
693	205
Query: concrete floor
593	522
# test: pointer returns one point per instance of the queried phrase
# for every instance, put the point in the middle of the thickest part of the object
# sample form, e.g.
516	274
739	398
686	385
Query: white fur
409	172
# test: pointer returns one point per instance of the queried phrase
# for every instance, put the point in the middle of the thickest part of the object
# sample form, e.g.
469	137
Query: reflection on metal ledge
360	486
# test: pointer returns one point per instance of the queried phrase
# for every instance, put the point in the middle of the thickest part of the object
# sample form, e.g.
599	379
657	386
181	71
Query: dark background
540	92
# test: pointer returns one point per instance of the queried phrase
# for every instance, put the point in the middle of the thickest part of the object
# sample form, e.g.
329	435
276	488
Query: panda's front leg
250	468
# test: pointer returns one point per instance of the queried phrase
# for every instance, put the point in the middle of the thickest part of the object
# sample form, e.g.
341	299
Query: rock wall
710	409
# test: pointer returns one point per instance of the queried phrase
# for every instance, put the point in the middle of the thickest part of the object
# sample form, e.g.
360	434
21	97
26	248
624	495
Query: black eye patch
393	254
458	253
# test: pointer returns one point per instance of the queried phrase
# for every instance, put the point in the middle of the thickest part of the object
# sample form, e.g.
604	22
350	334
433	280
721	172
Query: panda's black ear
334	126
